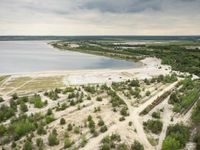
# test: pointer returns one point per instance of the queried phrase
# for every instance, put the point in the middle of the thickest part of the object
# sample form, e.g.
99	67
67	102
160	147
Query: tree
62	121
147	93
103	129
99	99
170	143
23	107
52	139
39	143
27	145
15	96
69	127
67	143
1	99
134	83
137	146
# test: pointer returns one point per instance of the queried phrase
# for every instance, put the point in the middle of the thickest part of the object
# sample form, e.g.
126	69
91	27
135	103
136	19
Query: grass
2	78
43	83
15	83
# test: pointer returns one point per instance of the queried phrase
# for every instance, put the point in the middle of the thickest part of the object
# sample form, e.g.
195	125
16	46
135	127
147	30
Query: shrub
52	139
176	137
1	99
124	111
147	93
41	130
156	115
39	143
103	129
37	101
134	83
69	127
77	130
155	126
101	122
137	146
99	99
27	145
83	141
62	121
121	119
23	107
67	143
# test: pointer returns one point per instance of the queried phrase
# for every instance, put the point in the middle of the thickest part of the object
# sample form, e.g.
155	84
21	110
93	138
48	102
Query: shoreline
151	66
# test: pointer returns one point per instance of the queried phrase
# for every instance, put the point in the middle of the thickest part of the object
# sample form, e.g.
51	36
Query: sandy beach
151	67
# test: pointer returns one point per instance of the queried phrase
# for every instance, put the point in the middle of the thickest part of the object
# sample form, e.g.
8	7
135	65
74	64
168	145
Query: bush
83	141
27	145
41	130
101	122
156	115
37	101
1	99
67	143
124	111
121	119
52	139
39	143
134	83
69	127
155	126
103	129
23	107
197	140
147	93
62	121
77	130
137	146
196	114
176	137
99	99
170	143
14	96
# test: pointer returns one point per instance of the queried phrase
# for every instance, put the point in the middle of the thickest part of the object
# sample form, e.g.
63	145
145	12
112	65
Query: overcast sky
99	17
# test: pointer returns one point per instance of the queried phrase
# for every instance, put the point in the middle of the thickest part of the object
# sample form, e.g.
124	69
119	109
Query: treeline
175	55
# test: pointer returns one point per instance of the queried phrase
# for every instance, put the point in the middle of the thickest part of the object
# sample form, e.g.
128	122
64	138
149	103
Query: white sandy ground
151	67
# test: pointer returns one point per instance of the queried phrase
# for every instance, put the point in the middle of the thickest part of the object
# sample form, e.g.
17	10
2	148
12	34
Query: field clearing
41	83
2	78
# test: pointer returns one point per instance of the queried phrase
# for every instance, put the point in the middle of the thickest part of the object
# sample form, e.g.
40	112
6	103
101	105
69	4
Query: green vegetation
7	112
1	99
111	142
186	96
137	146
156	115
37	101
62	121
197	140
52	138
115	99
155	126
176	138
174	54
90	89
196	114
53	94
155	103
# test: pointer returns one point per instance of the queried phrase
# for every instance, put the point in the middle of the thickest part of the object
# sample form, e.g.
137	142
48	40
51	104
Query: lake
32	56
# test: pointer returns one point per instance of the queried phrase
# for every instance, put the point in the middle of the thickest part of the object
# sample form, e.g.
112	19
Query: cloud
122	6
80	17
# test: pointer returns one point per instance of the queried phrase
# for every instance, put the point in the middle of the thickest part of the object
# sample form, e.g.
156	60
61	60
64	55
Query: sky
99	17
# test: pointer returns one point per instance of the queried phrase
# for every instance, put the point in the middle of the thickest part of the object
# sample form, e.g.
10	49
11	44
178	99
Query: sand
151	67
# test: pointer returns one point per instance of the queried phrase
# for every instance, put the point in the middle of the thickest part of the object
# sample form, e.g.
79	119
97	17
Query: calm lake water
30	56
